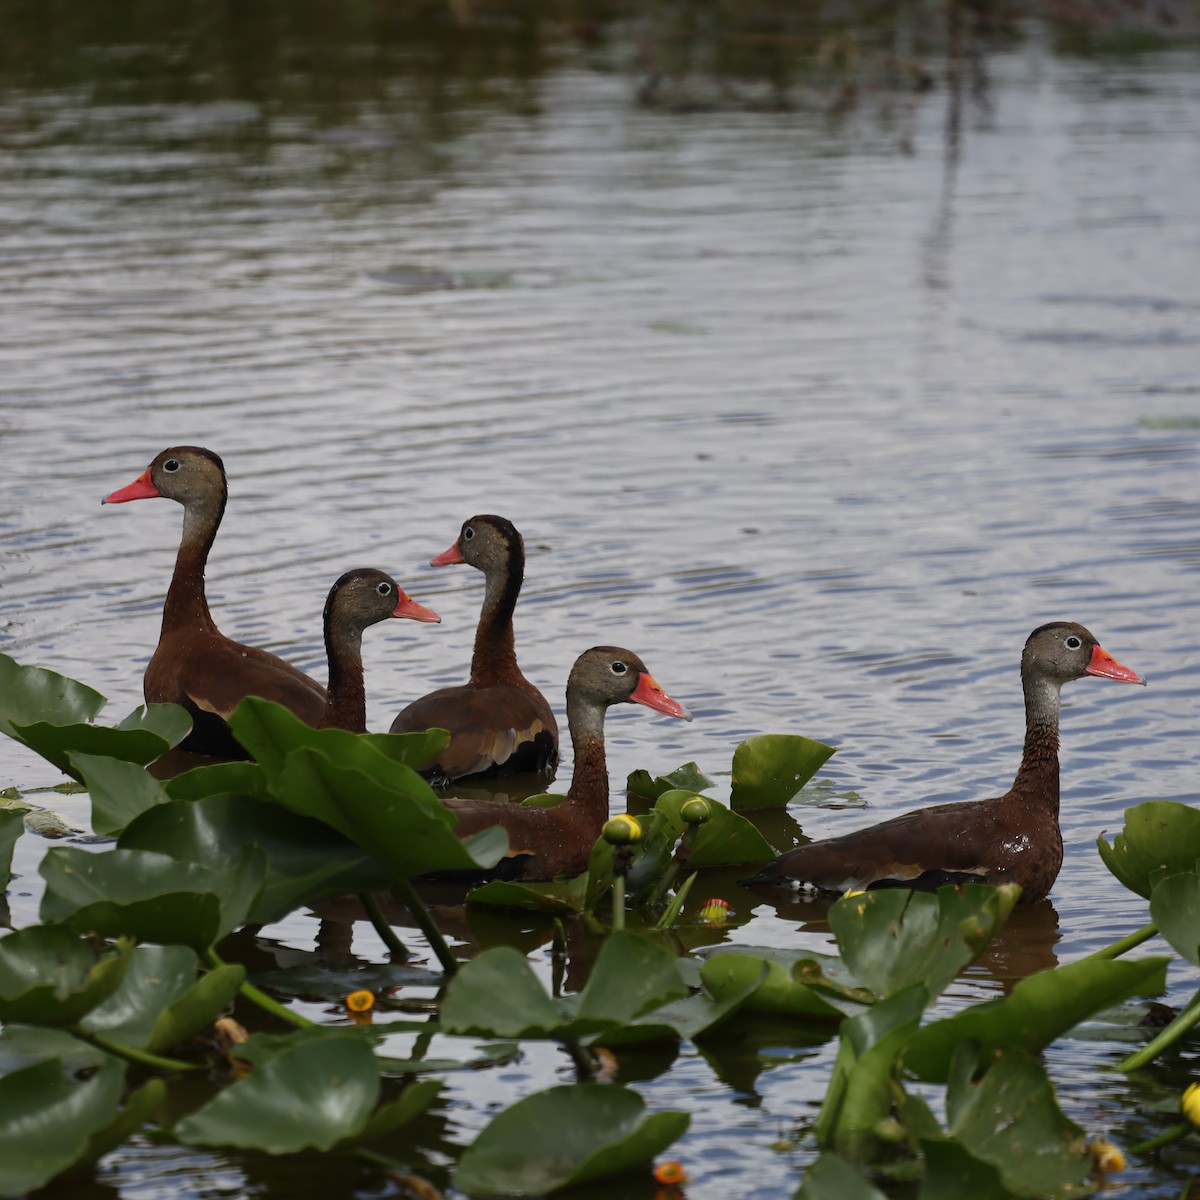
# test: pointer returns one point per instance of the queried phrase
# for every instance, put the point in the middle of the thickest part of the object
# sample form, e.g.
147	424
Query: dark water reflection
819	360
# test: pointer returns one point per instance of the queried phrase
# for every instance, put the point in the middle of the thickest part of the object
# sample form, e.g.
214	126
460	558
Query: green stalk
584	1066
142	1058
424	921
1168	1037
385	931
1129	942
260	998
618	903
1164	1139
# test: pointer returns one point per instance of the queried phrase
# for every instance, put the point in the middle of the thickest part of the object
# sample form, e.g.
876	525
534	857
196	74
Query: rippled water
819	412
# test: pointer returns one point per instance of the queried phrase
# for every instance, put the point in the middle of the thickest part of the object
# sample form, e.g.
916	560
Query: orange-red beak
1107	667
448	557
140	489
406	606
651	695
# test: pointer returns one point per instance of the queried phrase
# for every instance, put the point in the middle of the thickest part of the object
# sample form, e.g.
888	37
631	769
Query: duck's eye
468	533
384	589
618	667
1074	642
172	464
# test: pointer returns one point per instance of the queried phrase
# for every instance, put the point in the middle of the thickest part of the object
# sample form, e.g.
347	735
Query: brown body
1014	838
359	599
544	843
499	723
195	665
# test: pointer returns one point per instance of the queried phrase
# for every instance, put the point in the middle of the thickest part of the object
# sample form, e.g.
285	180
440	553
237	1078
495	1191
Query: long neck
186	605
589	782
494	659
346	696
1037	780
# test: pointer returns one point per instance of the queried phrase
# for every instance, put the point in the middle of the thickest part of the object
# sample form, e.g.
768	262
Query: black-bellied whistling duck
195	665
1014	838
499	722
547	842
360	598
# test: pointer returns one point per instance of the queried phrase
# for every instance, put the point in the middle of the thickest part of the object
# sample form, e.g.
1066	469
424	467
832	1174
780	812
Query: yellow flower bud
1107	1158
623	830
360	1001
695	811
1189	1105
671	1173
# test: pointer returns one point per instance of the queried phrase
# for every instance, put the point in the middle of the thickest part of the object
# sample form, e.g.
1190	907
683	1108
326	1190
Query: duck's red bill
448	557
140	489
651	695
1107	667
406	606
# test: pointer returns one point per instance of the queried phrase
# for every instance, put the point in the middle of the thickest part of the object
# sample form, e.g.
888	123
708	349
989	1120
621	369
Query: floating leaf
1175	909
320	1093
566	1135
774	988
770	769
32	694
306	860
50	976
725	840
216	779
893	938
160	1002
47	1120
560	897
497	994
689	778
630	976
951	1173
119	790
1007	1116
1039	1009
140	1106
12	822
149	896
1161	837
832	1178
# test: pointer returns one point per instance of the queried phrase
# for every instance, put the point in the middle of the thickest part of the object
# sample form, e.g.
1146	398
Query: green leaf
47	1120
725	840
566	1135
557	897
893	938
12	824
29	695
1039	1009
689	777
387	1118
631	975
317	1095
306	860
832	1178
149	896
119	790
1175	909
1008	1117
1161	837
951	1173
50	976
217	779
160	1002
775	989
770	769
140	1106
497	994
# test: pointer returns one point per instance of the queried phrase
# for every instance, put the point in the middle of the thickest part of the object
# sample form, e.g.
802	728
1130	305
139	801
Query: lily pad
1175	909
726	839
318	1094
152	897
218	779
119	790
560	897
567	1135
1039	1009
32	694
773	986
47	1120
161	1002
1160	838
306	860
688	778
50	976
12	822
770	769
832	1178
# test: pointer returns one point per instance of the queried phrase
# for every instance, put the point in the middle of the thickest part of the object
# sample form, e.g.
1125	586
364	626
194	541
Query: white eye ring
172	465
618	667
468	533
384	589
1074	642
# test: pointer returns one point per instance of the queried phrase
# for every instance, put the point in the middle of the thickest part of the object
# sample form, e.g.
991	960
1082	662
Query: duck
500	724
1014	838
195	665
548	843
360	598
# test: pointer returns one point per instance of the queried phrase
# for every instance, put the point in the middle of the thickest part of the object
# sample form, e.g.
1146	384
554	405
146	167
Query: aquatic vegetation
126	970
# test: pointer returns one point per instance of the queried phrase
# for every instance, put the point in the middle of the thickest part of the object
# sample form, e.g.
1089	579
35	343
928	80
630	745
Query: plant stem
424	921
385	931
1163	1139
255	996
618	902
1168	1037
143	1058
584	1067
377	1160
1129	942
